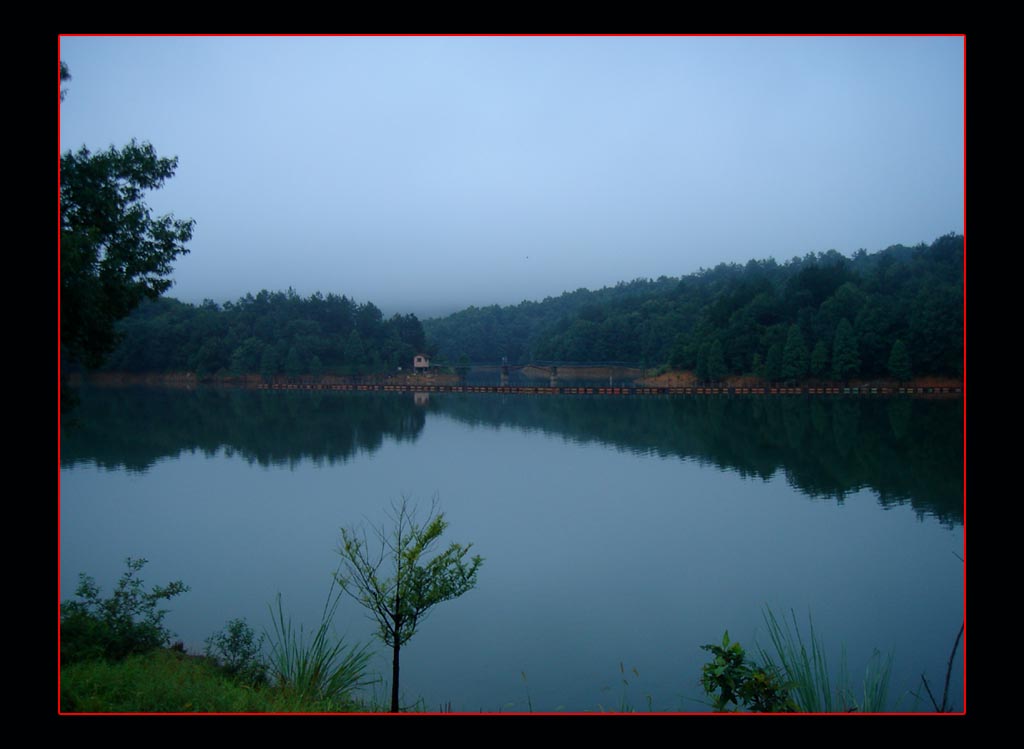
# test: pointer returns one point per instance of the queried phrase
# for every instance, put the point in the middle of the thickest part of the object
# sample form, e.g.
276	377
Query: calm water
618	534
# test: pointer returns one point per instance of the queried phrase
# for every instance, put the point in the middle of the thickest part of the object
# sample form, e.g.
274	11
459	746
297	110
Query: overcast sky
428	174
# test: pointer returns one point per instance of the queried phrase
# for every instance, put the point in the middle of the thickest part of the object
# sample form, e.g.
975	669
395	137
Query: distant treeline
270	333
896	312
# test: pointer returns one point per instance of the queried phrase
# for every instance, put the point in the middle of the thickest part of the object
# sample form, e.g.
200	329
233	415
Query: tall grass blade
876	683
323	668
805	668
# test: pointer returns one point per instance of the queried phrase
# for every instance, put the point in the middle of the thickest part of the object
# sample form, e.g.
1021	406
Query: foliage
795	359
168	681
716	362
64	75
806	669
239	652
819	359
322	668
404	579
845	357
773	363
270	334
911	293
899	361
128	622
701	369
730	679
914	294
113	252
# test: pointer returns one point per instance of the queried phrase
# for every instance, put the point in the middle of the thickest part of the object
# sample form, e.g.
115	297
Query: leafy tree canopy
113	252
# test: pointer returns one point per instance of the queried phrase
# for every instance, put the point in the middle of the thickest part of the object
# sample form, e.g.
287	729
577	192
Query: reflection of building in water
421	399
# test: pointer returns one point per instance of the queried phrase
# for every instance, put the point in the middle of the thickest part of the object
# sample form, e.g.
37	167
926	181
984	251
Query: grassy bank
170	681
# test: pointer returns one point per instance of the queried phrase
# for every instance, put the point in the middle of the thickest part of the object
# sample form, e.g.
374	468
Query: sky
427	174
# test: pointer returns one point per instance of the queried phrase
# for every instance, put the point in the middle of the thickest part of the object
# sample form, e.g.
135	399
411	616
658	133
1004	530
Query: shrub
238	652
113	628
730	679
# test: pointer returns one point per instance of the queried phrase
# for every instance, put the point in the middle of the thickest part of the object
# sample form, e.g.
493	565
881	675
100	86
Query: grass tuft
806	671
323	668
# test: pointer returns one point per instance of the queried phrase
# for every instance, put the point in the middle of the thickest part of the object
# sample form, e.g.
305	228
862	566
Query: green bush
238	651
113	628
733	682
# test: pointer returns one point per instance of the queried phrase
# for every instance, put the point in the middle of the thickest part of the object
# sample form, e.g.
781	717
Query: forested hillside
823	315
898	312
270	333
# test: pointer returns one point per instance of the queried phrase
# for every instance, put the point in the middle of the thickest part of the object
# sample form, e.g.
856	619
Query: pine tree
794	356
845	356
773	364
819	359
716	362
899	361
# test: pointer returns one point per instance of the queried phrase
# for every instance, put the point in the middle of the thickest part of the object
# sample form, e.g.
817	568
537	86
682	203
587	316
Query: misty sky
426	174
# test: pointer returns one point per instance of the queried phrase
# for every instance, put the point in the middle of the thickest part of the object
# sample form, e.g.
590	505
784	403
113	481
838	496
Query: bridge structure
615	371
621	391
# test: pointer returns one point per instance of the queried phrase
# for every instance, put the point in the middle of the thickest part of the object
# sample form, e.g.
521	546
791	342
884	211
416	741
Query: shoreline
669	383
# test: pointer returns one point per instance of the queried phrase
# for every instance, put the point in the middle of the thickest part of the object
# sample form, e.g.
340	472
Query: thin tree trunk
394	678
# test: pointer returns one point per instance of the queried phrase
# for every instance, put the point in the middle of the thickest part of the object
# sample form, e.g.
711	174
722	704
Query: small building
421	363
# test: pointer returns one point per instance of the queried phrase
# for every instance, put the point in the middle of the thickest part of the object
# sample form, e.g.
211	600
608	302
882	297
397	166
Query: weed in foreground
322	668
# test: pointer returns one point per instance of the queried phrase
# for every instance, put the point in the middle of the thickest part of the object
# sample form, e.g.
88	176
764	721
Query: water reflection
134	428
906	451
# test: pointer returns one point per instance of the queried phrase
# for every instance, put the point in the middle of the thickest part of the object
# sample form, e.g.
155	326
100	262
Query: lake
619	534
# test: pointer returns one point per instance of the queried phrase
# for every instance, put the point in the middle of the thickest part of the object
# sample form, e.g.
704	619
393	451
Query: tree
845	355
64	75
268	364
113	628
113	252
293	363
702	362
794	355
819	359
899	361
355	352
404	579
773	363
716	362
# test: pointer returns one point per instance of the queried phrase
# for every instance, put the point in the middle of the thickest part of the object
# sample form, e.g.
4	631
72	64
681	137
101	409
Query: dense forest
271	333
823	315
893	313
